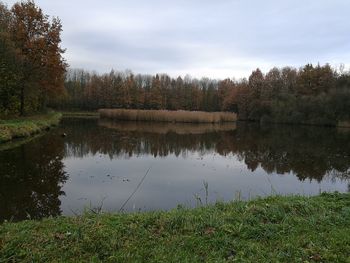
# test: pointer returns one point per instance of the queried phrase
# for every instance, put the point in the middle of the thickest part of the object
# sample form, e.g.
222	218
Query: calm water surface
103	163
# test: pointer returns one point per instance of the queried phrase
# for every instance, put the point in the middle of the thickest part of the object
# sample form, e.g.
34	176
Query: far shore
25	127
168	116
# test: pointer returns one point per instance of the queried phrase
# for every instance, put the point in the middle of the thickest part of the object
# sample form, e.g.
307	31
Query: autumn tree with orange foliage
39	64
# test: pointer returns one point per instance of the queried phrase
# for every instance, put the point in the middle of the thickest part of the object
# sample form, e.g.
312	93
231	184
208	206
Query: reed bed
344	124
166	127
168	116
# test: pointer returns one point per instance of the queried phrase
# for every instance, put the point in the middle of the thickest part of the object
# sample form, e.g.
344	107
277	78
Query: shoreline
180	116
27	126
95	114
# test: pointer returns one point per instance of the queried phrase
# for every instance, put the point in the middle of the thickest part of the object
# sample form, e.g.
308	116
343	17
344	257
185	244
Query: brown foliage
168	116
38	62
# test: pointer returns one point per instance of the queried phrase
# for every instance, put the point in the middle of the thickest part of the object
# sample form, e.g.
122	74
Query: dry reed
167	127
168	116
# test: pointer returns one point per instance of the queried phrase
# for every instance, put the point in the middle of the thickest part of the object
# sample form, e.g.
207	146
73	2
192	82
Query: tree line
310	94
32	68
91	91
33	76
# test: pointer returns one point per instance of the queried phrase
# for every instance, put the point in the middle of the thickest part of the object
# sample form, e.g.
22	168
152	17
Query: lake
131	167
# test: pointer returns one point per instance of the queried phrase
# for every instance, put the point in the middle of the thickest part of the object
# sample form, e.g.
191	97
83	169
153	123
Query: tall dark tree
38	40
10	65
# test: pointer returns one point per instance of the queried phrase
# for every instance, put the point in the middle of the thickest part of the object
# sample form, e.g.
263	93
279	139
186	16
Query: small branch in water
137	187
98	209
273	190
198	199
75	213
206	188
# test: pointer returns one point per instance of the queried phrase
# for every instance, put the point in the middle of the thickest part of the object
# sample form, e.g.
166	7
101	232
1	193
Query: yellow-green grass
274	229
168	116
27	126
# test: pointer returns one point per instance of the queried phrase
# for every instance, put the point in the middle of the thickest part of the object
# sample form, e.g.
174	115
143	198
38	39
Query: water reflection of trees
87	138
31	177
309	152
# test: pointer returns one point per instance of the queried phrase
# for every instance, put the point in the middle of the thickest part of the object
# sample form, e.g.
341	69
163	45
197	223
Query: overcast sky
217	39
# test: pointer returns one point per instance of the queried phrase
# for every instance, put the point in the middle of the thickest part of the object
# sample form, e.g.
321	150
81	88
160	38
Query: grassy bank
275	229
24	127
168	116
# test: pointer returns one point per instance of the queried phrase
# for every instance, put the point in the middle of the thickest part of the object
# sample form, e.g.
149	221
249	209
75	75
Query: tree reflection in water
309	152
32	175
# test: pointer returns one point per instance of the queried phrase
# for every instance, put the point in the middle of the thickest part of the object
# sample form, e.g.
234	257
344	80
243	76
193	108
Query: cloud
202	38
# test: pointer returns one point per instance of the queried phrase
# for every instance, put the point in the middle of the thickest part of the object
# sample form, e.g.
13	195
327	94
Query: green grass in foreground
275	229
24	127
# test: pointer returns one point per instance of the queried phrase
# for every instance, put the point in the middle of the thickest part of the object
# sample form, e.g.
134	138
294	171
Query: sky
202	38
